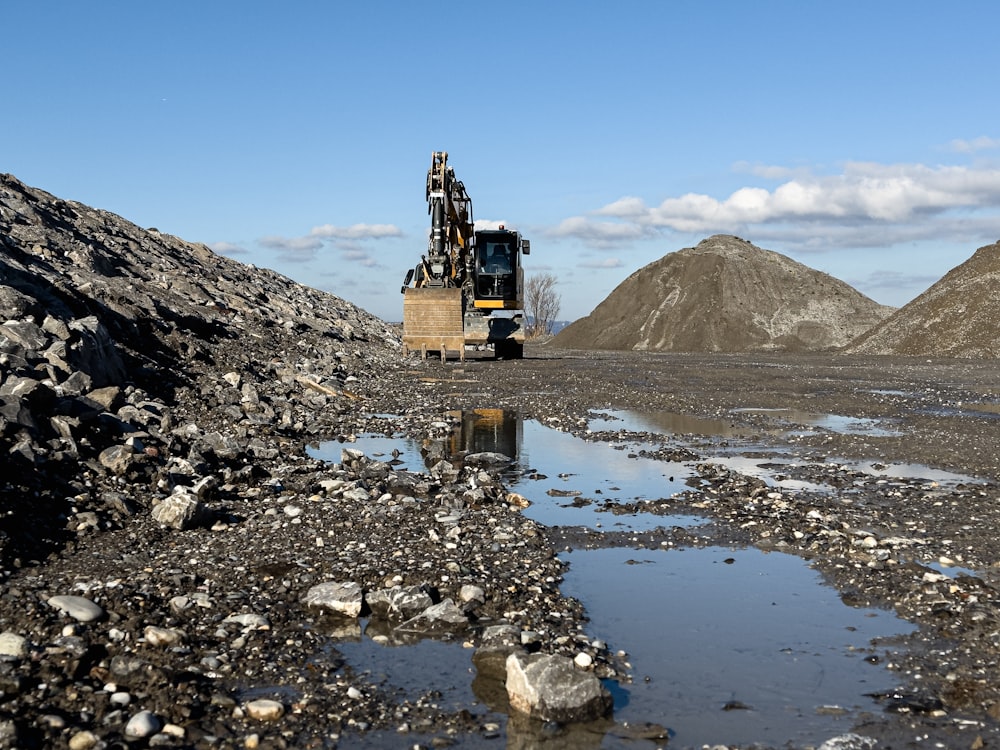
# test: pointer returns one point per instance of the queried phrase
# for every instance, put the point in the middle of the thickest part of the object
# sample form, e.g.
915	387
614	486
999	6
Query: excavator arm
452	228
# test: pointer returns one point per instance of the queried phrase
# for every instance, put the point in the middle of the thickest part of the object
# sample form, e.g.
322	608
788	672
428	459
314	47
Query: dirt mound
956	317
726	295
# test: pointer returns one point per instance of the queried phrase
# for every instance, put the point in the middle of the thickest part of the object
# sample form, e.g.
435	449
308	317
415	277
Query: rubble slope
957	317
725	295
113	338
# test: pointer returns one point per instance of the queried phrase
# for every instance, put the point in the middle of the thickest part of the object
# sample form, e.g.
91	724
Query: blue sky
859	138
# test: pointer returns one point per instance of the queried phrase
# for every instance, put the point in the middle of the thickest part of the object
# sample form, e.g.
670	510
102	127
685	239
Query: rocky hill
120	346
959	316
726	295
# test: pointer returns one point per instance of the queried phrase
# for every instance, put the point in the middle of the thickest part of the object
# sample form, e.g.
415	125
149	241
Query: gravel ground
206	629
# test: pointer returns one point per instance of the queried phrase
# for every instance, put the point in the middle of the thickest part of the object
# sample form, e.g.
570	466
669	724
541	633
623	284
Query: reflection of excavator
469	287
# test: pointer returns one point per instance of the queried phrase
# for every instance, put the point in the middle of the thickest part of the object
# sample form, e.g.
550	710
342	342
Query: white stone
342	598
12	644
248	620
83	741
470	593
143	724
79	608
156	636
264	710
583	660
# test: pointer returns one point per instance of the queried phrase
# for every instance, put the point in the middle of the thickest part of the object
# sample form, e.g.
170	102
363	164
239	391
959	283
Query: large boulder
552	688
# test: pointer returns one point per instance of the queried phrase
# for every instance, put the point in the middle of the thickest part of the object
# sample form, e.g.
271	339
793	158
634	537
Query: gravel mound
117	343
725	295
956	317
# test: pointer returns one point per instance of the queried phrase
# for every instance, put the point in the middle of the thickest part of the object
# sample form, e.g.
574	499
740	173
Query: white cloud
304	249
600	233
228	248
867	204
982	143
293	249
361	257
493	224
291	244
605	263
356	231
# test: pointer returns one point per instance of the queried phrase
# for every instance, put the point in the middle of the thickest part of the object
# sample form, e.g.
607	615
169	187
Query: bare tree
541	303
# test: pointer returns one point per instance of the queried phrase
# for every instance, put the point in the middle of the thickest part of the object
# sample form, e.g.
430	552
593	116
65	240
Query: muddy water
726	645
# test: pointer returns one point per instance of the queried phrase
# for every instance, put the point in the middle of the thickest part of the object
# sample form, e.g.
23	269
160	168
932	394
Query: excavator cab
497	269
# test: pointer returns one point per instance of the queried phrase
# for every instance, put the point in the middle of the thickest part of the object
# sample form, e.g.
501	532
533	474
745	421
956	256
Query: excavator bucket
432	321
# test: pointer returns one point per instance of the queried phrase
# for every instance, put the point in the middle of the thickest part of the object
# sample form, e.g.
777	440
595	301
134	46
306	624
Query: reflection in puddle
404	670
669	423
773	472
716	628
783	420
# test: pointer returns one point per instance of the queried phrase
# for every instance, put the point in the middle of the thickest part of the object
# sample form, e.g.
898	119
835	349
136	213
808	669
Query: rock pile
116	343
957	317
725	295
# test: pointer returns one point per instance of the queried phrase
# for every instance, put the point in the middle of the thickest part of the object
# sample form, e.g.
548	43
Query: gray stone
25	333
248	621
444	617
79	608
399	602
109	397
117	459
850	741
551	688
181	511
340	598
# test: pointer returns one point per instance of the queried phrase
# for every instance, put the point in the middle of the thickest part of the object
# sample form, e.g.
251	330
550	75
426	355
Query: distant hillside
959	316
726	295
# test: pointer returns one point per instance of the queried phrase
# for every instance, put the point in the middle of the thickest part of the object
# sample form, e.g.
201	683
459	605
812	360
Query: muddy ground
284	522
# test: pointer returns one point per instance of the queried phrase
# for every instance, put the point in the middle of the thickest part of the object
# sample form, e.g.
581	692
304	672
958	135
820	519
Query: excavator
468	289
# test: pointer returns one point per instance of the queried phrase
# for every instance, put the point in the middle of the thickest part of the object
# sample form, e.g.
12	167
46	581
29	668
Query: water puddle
779	422
667	423
732	646
726	646
774	472
569	481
